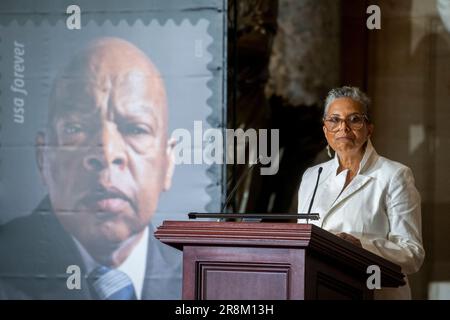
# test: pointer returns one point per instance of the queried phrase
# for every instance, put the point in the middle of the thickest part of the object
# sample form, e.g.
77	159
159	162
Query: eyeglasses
354	122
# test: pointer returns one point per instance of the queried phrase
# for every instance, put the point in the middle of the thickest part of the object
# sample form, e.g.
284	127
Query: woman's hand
350	238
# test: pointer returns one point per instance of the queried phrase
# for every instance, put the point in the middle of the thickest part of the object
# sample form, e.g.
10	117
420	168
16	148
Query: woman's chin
345	145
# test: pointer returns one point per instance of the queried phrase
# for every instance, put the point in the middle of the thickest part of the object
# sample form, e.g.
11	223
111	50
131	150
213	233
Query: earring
329	151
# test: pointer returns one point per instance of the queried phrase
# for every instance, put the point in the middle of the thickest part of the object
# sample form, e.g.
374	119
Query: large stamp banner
90	94
184	40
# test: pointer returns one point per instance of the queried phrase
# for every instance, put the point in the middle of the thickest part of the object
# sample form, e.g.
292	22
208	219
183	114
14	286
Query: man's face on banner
107	158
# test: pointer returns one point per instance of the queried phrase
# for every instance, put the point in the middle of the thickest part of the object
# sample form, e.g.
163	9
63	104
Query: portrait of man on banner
104	157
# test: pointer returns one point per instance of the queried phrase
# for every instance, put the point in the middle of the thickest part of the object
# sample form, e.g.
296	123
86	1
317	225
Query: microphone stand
269	216
314	193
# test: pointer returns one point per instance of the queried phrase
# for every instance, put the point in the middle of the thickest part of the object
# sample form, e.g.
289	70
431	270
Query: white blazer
380	206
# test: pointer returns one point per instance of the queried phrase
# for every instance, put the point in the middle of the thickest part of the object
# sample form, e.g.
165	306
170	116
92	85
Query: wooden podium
258	261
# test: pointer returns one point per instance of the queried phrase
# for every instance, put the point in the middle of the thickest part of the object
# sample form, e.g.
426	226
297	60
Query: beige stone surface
409	81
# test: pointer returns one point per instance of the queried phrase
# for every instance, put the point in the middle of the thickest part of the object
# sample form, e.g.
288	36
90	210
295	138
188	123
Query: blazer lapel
329	194
332	200
357	183
329	190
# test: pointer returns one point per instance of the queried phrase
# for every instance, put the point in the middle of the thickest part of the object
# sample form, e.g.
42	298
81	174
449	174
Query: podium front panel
243	273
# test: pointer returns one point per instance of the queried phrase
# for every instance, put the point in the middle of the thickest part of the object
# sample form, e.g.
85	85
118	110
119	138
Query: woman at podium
361	196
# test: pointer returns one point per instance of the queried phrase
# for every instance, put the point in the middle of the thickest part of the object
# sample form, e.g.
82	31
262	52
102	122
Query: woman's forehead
345	106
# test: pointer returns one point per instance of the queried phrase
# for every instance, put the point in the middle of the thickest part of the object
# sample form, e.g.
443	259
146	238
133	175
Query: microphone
270	216
220	215
238	183
314	193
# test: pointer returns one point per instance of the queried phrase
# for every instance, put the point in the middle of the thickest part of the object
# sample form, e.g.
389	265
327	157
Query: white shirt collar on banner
134	266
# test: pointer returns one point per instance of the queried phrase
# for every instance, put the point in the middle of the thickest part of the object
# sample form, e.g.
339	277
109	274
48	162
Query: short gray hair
348	92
